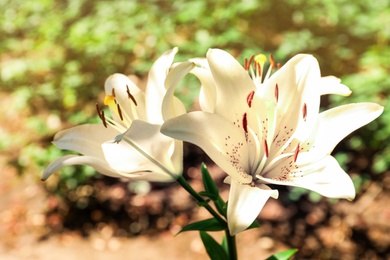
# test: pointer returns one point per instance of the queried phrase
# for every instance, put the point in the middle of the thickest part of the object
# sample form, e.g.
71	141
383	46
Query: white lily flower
129	144
270	131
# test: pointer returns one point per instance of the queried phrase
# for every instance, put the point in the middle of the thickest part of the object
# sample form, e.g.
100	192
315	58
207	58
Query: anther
258	68
249	98
119	111
245	123
103	119
272	61
98	111
246	67
113	92
304	111
130	96
278	65
250	60
266	148
276	92
296	153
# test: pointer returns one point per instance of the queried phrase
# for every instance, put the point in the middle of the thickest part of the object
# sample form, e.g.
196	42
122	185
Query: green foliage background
55	56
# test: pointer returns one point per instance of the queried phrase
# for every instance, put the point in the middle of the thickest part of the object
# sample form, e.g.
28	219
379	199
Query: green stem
199	198
231	242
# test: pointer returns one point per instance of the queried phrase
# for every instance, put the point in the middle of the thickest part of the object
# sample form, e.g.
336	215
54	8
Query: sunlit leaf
205	225
213	249
284	255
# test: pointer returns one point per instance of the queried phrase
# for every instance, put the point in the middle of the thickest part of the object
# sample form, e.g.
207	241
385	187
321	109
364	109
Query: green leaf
255	224
205	225
213	249
202	203
284	255
209	195
225	245
209	183
221	206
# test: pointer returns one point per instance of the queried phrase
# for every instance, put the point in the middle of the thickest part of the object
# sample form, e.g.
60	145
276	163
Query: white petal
155	147
336	123
155	88
85	139
120	83
208	94
298	101
171	106
332	85
325	177
221	140
99	165
233	84
244	205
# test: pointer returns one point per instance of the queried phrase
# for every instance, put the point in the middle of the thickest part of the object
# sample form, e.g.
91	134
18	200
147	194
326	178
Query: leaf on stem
284	255
209	184
213	249
205	225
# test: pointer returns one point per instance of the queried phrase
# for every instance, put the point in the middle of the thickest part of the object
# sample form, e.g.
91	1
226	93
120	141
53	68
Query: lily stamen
272	62
130	96
119	111
101	115
103	118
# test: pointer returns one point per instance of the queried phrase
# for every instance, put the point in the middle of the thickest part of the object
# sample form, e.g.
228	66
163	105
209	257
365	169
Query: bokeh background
54	58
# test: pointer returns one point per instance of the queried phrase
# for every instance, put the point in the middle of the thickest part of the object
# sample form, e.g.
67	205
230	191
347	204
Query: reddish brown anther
276	92
119	111
272	61
113	92
103	119
250	60
130	96
258	68
245	123
246	67
249	98
98	111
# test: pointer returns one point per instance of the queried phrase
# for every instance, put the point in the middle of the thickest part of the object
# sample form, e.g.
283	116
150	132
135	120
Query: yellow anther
260	58
108	100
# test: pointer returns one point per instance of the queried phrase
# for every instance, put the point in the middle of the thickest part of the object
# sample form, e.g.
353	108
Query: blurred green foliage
55	56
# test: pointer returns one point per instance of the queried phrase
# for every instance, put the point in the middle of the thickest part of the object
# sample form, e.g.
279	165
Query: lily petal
156	155
120	85
85	139
155	89
332	85
233	84
99	165
297	102
171	106
245	204
207	95
218	137
325	177
336	123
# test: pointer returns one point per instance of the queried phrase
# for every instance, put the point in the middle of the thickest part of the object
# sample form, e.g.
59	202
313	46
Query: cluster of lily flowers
261	127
